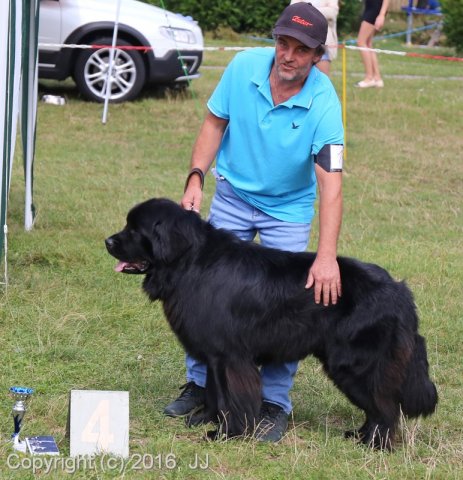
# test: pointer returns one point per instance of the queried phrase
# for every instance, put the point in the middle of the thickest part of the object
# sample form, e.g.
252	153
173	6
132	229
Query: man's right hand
204	153
193	197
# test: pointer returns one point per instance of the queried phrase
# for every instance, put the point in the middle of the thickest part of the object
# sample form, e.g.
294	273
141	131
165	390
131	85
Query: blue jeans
230	212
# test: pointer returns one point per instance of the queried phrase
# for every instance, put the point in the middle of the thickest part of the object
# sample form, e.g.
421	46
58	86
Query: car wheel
91	71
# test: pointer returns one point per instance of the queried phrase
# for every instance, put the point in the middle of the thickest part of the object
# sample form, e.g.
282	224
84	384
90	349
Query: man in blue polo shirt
274	127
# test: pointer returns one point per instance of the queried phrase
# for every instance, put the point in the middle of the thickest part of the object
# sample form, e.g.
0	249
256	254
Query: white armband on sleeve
330	158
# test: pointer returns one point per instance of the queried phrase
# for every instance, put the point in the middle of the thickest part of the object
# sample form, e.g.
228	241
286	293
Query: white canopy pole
29	108
10	70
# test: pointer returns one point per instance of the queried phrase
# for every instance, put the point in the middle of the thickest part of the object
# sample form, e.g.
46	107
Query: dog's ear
174	237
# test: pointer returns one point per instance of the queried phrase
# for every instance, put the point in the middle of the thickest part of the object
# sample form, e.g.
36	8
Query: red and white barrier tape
236	49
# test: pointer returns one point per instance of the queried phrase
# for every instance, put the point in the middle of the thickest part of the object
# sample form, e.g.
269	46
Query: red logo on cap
300	20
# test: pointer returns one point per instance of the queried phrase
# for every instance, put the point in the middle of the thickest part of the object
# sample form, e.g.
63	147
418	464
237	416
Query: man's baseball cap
303	22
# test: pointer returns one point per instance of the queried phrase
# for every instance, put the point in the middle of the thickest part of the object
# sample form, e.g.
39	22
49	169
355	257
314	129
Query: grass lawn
69	321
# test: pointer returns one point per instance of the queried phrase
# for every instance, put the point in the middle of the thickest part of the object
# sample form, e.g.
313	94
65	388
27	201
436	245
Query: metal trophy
20	395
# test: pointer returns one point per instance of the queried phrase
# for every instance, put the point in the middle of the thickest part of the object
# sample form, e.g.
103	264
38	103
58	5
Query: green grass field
69	321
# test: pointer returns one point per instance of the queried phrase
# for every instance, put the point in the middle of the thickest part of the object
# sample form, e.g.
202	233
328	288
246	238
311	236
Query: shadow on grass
69	91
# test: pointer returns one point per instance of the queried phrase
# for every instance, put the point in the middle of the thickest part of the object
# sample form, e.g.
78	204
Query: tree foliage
350	12
453	22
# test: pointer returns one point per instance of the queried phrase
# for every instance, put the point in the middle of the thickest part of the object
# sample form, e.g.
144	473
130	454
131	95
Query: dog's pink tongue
120	266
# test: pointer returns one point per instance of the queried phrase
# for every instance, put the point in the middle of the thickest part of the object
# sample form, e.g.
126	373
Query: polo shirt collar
305	96
261	80
302	99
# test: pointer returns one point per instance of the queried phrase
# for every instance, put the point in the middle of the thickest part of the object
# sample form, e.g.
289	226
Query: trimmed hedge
252	16
240	15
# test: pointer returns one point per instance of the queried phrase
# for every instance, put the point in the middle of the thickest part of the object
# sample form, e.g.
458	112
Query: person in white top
330	10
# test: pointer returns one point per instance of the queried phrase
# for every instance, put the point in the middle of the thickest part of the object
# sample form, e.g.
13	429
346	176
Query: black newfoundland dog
235	305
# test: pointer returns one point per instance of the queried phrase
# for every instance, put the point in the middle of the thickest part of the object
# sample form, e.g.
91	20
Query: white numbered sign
99	423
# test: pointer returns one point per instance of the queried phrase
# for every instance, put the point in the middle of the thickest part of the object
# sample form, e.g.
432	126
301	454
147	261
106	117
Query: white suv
173	54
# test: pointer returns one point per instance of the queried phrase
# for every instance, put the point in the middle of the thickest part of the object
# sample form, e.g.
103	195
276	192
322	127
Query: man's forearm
207	145
330	208
330	220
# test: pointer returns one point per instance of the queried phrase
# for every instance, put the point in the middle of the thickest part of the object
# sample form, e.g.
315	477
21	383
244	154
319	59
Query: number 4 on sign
99	422
97	430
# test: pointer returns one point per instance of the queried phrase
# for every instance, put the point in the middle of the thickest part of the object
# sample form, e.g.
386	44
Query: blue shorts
325	57
230	212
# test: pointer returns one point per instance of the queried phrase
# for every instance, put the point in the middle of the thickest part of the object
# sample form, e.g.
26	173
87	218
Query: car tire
91	68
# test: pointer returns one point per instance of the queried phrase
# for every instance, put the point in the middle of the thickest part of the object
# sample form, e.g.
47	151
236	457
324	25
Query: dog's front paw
200	418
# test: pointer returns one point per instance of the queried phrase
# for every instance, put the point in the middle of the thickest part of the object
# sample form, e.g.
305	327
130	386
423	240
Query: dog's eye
156	225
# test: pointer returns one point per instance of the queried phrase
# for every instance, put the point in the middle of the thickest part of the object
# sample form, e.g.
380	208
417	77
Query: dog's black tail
244	395
419	394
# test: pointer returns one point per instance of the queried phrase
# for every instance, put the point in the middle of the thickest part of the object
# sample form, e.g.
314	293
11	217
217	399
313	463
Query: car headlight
180	35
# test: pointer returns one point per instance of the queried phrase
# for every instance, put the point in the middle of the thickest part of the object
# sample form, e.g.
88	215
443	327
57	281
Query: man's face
293	60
